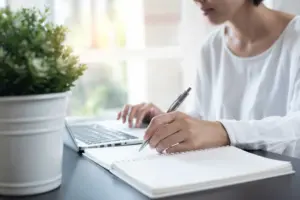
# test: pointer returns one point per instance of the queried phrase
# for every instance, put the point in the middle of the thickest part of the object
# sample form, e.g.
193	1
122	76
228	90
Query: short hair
257	2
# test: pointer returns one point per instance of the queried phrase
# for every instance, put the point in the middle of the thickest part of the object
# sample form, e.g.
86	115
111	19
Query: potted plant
37	72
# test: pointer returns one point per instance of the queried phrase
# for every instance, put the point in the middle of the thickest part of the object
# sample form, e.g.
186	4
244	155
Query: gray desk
84	180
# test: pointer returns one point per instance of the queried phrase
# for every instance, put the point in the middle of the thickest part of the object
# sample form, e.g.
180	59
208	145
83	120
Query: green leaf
33	56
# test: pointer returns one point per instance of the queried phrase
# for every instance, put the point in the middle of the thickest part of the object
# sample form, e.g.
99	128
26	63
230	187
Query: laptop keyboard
95	134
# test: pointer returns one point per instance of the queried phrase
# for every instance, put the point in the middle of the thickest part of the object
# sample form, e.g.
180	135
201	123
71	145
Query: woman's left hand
177	132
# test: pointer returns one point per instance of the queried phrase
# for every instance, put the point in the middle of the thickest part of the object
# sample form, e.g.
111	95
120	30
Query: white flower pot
31	145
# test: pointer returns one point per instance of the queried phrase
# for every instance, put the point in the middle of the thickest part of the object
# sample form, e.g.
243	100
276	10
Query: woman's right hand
138	112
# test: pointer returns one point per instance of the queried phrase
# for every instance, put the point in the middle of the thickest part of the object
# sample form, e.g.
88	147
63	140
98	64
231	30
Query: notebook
163	175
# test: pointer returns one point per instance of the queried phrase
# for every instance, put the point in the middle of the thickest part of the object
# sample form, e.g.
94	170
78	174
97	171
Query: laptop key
97	134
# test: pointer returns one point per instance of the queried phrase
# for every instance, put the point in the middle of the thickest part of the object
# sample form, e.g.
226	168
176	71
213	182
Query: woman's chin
215	20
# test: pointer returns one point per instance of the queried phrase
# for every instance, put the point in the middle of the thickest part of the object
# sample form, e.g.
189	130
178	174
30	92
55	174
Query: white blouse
256	98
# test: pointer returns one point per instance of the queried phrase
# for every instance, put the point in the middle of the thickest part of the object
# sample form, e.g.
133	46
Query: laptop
83	134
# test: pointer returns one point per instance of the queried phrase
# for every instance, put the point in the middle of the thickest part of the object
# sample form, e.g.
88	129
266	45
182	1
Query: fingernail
159	150
151	110
146	137
138	124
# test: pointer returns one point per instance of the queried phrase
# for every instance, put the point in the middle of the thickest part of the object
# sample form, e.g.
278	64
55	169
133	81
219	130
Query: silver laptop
97	134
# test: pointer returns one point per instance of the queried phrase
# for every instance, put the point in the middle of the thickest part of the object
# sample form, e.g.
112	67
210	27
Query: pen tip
140	148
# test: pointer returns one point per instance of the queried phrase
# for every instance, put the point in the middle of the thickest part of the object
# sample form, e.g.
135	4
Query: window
2	3
131	49
96	26
124	45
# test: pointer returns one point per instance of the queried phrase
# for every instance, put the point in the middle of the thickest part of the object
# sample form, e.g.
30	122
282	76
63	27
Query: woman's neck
255	29
251	23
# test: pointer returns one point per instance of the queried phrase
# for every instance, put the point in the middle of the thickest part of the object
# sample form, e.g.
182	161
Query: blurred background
131	48
136	50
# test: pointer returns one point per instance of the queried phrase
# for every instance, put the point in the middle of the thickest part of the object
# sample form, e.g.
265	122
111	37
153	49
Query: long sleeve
256	98
279	134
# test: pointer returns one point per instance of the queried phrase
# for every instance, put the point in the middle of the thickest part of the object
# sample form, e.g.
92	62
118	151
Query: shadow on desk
85	180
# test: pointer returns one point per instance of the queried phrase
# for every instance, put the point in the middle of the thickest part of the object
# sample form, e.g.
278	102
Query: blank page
192	170
108	155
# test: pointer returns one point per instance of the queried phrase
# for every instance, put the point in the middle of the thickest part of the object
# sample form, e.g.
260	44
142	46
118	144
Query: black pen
172	108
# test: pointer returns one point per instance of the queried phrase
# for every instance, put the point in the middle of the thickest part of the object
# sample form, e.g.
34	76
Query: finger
119	115
140	115
125	112
133	114
171	140
158	121
164	132
181	147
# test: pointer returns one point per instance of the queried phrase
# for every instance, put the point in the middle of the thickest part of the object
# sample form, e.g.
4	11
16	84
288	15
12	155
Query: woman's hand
177	132
138	112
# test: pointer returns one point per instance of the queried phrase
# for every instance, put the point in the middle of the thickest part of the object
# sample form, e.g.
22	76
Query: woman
247	85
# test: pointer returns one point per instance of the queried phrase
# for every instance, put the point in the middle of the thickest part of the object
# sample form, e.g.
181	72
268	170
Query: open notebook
160	175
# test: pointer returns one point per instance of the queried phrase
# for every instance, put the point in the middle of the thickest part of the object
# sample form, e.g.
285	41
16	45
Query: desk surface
84	180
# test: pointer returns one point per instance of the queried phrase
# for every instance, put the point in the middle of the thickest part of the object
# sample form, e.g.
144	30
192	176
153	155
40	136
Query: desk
85	180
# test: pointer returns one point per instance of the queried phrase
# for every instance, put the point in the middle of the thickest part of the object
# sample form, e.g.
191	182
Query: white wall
290	6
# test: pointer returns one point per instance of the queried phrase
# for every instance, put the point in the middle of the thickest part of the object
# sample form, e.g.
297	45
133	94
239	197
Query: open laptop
97	134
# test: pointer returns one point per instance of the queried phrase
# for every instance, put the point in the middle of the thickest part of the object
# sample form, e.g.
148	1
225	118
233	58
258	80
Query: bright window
2	3
131	49
96	26
119	42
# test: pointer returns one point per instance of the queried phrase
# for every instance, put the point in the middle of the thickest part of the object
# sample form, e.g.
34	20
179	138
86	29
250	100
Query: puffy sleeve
279	134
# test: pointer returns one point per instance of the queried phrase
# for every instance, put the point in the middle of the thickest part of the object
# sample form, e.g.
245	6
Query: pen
172	108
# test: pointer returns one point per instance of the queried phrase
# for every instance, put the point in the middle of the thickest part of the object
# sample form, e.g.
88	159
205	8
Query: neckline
262	54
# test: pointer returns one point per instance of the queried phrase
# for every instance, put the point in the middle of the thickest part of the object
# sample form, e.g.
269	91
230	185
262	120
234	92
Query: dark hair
257	2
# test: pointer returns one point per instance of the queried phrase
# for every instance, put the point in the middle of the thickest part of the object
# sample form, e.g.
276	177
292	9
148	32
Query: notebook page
108	155
167	174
